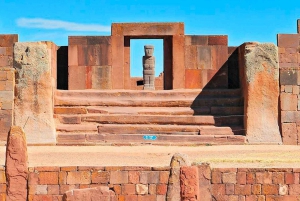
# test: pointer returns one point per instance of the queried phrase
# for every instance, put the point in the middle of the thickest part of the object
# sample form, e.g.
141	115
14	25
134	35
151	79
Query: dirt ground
258	156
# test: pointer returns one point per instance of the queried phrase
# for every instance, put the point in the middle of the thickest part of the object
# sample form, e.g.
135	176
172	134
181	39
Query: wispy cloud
59	24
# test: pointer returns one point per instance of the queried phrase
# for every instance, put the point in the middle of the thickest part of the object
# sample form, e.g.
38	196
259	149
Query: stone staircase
165	117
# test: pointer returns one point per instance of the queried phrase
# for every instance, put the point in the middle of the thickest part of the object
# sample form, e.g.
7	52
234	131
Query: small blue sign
150	137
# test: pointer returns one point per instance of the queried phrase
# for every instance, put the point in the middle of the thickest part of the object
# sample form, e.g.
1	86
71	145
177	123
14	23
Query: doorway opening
137	53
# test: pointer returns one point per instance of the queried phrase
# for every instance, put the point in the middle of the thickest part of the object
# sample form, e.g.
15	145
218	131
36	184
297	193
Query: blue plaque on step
150	137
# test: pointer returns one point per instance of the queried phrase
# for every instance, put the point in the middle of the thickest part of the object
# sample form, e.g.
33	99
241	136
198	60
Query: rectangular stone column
34	92
259	75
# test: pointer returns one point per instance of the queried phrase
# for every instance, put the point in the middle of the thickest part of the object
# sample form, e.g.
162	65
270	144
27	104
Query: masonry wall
206	62
129	183
7	81
289	64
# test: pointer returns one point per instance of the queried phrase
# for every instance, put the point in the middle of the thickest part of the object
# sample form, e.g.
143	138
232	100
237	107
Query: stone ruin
208	92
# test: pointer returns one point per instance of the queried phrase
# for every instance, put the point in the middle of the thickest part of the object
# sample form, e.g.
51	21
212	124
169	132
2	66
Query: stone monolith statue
149	67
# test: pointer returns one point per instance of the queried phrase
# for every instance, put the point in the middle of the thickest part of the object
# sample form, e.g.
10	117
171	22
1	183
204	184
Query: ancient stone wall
289	63
128	183
7	83
206	62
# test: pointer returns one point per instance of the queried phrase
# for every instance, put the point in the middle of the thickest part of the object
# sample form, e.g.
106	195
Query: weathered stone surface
101	193
259	73
178	160
34	101
189	183
16	165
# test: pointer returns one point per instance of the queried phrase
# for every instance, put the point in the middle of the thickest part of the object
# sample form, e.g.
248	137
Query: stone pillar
189	183
259	77
16	165
149	68
33	109
178	160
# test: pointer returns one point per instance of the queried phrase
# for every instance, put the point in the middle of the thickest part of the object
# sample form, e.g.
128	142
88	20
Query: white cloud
59	24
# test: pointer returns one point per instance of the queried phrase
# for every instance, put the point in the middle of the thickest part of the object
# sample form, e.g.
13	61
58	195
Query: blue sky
241	20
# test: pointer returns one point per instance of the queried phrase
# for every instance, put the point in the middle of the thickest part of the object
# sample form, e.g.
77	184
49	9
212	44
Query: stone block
101	77
152	189
288	40
128	189
193	79
229	178
189	183
204	57
288	77
72	55
260	83
119	177
191	57
77	40
79	177
77	77
289	178
149	177
164	177
241	178
53	189
288	88
100	177
288	101
50	178
2	51
242	189
256	189
34	103
278	178
264	177
196	40
16	165
178	62
41	190
289	133
161	189
216	177
134	177
141	189
8	40
89	194
270	189
218	40
298	26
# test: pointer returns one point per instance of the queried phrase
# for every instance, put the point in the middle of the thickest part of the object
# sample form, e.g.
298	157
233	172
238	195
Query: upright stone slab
34	93
259	74
189	182
178	160
16	165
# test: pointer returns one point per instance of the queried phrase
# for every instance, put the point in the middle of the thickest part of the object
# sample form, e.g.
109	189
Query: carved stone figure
149	68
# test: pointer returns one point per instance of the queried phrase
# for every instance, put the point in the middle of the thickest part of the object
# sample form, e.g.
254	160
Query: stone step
152	119
138	139
178	93
167	129
204	110
149	102
77	128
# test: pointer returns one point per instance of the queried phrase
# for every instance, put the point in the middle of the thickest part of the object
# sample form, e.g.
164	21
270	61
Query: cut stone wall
289	63
206	62
33	109
6	49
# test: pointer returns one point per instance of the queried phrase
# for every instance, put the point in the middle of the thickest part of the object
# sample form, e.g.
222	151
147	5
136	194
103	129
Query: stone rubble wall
289	64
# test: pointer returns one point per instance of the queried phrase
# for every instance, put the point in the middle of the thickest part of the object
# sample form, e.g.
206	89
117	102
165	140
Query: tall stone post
16	165
149	68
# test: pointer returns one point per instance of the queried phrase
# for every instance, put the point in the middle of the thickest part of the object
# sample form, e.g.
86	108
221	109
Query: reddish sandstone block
193	79
278	178
218	189
42	197
64	188
294	189
57	198
288	77
196	40
288	40
146	197
48	178
256	189
128	198
243	189
53	189
100	177
119	177
62	178
80	177
289	178
264	177
117	189
218	40
216	177
288	101
128	189
289	133
270	189
229	188
152	189
241	178
7	40
149	177
164	177
229	178
47	169
133	177
161	189
69	168
33	178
